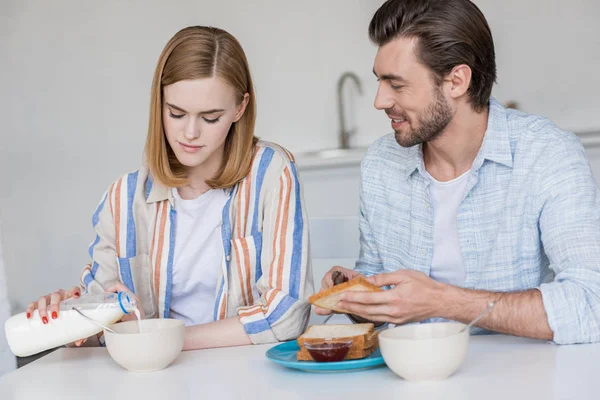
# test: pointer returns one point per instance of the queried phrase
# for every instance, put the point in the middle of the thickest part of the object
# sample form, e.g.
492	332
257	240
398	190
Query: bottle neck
126	303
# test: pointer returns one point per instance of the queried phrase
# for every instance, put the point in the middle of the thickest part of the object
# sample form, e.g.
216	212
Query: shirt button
228	258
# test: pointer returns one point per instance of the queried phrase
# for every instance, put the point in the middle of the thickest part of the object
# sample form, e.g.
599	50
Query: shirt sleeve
102	270
368	263
283	310
569	223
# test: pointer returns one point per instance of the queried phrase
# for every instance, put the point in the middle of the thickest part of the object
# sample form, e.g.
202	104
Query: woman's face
197	116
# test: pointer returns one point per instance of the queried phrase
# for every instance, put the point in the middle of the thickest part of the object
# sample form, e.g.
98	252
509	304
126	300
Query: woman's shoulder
133	184
272	164
140	175
271	154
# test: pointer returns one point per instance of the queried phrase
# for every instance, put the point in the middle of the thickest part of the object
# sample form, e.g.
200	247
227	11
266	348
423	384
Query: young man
469	202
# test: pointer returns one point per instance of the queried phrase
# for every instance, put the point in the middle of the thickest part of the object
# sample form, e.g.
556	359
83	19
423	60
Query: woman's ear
242	107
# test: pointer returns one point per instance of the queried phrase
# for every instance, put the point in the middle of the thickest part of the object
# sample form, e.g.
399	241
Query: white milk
30	336
139	318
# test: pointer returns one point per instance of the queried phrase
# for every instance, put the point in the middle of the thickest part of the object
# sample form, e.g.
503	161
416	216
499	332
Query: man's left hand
415	297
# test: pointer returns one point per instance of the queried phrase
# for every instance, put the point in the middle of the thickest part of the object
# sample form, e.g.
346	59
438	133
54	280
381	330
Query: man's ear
242	107
458	81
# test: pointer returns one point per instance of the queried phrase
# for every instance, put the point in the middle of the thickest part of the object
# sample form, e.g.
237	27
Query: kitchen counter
497	367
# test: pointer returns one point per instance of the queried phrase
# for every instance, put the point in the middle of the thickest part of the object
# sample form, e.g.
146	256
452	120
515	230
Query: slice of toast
304	355
329	298
363	335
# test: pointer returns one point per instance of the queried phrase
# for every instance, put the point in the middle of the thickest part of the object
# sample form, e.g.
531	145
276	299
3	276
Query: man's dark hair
449	33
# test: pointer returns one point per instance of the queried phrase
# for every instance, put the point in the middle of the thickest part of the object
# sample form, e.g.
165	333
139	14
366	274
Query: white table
497	367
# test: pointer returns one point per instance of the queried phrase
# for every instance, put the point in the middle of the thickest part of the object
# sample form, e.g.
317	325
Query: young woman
213	229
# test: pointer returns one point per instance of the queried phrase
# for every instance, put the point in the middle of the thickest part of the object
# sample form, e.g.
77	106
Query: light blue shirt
530	218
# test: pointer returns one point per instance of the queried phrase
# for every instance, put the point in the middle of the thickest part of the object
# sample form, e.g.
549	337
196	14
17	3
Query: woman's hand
50	304
120	287
115	288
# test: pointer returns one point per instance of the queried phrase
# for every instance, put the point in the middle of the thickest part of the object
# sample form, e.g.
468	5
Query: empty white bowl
424	352
154	349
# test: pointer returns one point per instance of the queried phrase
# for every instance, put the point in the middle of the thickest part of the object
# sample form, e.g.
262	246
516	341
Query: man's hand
327	282
415	297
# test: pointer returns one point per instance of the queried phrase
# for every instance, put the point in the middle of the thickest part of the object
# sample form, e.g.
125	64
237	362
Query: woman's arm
103	268
224	333
282	311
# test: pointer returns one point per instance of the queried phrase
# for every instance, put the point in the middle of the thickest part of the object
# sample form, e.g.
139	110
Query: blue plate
285	354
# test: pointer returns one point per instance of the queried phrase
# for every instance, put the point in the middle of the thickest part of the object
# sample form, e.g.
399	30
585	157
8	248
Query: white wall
548	57
75	78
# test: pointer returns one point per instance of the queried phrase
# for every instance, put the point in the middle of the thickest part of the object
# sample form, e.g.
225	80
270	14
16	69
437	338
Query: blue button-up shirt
530	218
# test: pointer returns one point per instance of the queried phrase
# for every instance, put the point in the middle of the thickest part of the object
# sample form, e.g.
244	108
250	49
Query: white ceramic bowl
424	352
154	349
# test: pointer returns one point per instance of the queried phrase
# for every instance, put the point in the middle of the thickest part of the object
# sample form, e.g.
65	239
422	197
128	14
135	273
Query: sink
330	157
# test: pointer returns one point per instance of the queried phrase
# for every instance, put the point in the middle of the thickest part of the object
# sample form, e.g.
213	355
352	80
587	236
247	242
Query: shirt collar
495	147
414	160
496	143
155	191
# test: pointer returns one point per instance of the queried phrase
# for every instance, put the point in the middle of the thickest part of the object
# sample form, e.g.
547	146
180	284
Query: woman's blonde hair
200	52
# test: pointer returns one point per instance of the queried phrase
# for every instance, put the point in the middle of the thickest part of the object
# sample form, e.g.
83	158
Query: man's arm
416	297
519	314
569	224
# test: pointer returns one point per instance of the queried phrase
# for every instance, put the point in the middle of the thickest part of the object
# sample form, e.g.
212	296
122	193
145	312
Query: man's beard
431	122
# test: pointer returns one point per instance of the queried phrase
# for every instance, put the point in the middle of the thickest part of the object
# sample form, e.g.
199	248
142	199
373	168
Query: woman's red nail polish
28	315
54	315
45	320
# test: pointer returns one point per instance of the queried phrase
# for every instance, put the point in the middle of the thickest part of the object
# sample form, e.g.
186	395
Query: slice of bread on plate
329	298
363	336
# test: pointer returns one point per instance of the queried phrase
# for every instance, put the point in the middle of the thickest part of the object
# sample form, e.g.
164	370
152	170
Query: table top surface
497	367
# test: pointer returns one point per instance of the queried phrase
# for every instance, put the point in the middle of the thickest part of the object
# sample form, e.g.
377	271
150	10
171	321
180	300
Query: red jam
328	352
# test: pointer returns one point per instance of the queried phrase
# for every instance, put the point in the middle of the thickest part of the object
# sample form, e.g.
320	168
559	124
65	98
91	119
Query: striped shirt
530	218
266	274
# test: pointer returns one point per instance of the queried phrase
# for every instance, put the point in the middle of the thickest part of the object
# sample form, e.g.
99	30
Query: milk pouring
30	336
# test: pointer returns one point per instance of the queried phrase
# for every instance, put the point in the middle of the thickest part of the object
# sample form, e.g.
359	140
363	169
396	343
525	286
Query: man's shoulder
539	137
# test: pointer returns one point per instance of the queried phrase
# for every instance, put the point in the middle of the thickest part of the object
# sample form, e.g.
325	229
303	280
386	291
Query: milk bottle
27	336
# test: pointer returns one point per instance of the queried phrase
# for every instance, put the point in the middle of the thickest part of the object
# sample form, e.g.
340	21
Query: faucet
345	133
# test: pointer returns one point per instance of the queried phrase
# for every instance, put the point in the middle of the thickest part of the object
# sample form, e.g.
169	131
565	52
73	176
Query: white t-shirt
447	264
198	256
